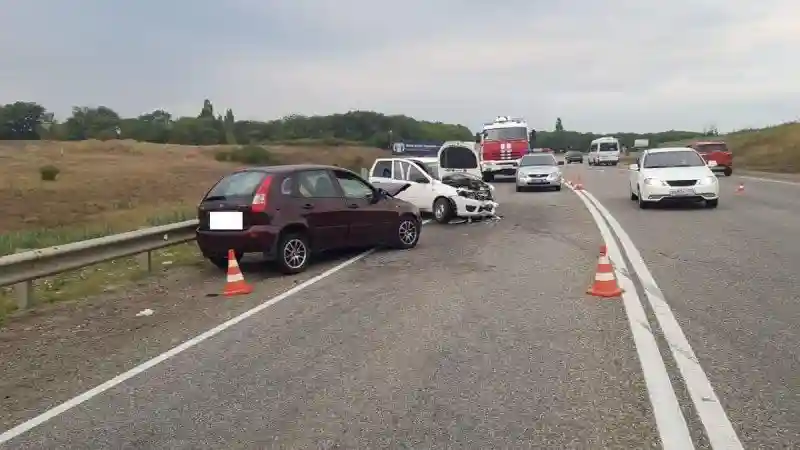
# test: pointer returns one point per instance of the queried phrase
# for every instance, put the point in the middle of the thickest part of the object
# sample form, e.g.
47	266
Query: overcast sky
604	66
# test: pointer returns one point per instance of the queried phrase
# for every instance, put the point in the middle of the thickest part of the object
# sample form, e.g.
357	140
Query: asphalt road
483	337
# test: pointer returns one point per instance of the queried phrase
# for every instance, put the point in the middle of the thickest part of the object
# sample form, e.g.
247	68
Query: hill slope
772	149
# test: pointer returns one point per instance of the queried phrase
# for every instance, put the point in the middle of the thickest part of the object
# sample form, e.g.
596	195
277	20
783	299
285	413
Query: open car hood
392	188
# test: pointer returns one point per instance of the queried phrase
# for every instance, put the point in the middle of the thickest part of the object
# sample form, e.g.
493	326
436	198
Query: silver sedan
539	170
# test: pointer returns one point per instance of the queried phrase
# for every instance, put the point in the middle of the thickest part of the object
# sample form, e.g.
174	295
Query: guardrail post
24	291
146	258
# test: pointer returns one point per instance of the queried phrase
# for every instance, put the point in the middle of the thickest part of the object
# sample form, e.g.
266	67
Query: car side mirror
378	195
633	167
422	180
561	163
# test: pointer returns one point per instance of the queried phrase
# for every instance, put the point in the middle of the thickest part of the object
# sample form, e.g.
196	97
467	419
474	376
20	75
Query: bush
252	154
49	173
222	156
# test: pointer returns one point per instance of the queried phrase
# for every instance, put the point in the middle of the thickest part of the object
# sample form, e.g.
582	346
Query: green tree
23	120
559	125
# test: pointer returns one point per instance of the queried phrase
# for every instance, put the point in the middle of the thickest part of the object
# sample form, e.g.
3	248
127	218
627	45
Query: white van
459	157
604	151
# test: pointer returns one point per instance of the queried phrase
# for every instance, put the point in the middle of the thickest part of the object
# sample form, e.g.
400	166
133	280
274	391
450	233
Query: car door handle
308	206
352	205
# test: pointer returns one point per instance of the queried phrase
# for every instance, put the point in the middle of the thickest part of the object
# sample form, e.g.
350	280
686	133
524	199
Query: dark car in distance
290	213
573	156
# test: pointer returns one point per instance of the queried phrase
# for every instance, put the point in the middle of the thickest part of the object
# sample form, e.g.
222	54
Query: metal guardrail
22	268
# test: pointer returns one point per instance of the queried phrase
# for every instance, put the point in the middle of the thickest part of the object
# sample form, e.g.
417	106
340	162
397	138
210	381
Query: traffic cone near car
235	284
740	189
579	184
605	284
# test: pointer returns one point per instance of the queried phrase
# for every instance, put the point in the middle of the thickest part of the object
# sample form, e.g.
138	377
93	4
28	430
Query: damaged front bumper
470	207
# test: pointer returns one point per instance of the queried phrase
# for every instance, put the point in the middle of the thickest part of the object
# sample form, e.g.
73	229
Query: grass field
115	186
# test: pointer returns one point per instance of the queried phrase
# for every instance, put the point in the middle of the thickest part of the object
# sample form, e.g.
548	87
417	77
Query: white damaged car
458	195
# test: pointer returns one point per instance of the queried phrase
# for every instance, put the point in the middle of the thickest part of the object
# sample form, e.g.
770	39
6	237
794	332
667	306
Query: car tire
642	204
443	210
293	253
519	189
221	262
728	171
407	232
712	203
633	196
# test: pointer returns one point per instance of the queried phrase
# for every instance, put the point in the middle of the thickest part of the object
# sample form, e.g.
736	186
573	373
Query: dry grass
114	186
111	187
773	149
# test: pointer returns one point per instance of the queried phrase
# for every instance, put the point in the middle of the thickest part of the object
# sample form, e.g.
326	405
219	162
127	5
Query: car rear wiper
215	197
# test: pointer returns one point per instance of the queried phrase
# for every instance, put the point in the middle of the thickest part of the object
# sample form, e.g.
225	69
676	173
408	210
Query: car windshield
506	134
715	147
609	147
537	160
686	158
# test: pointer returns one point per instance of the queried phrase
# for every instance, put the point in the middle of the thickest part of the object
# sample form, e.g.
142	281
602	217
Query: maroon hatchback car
288	213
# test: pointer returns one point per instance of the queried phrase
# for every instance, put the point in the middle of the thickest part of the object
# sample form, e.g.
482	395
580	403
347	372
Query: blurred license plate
536	181
681	192
225	220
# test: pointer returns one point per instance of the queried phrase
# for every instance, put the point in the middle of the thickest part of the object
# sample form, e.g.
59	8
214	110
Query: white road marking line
769	180
720	431
672	428
77	400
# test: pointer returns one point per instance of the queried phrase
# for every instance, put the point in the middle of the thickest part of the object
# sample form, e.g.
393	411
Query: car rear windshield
506	134
609	147
574	153
537	160
707	148
673	159
238	184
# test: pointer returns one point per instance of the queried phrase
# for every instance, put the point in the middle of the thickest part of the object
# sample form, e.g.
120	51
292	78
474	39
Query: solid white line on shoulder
671	424
720	431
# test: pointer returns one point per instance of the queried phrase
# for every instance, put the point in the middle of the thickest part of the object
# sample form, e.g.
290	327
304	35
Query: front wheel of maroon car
293	253
407	233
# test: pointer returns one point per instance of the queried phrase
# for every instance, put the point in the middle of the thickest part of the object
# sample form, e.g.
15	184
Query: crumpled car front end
474	199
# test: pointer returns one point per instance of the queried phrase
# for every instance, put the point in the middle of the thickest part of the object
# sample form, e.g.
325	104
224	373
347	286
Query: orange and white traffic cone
740	189
579	184
605	284
235	284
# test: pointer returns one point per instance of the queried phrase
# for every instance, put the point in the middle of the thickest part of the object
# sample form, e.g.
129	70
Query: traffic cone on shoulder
740	189
579	184
605	284
235	284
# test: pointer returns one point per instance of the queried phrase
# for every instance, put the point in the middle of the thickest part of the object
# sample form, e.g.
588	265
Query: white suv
673	174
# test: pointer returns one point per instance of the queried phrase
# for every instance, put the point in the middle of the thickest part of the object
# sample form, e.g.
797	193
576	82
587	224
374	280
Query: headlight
707	181
554	176
655	182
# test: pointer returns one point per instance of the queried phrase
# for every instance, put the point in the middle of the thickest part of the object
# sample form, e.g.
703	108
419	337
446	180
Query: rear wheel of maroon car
407	234
293	253
728	171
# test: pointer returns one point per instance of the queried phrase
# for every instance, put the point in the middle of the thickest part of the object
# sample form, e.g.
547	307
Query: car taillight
260	199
